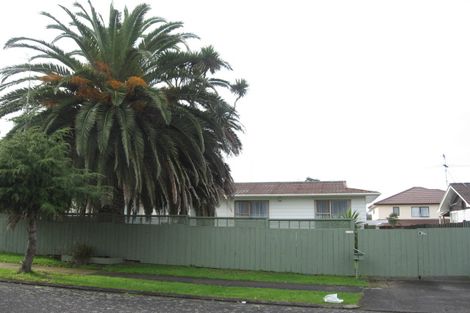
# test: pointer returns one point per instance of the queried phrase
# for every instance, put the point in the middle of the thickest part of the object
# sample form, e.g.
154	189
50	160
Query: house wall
459	216
383	211
375	213
291	207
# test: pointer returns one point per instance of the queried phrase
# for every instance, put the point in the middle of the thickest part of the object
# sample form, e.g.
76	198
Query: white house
456	203
295	200
413	206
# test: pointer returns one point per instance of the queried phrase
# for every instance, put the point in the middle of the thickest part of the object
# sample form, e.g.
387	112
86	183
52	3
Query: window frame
328	215
250	208
420	211
397	211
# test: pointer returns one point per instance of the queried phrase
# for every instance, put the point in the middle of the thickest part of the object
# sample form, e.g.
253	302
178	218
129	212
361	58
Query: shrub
392	219
81	253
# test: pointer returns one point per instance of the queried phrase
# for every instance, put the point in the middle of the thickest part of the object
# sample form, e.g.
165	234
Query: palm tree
145	110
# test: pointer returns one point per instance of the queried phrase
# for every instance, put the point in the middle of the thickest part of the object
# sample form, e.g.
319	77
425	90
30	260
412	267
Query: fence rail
449	225
209	221
310	224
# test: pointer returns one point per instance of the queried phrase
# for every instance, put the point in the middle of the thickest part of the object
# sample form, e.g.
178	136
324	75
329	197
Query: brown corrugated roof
463	189
415	195
288	188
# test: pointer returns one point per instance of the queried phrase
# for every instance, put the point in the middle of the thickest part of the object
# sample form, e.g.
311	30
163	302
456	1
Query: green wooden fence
269	245
249	245
427	252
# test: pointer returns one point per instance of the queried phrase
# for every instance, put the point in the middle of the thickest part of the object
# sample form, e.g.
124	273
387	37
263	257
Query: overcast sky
371	92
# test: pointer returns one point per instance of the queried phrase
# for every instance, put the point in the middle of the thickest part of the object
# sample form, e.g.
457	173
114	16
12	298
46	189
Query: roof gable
414	195
463	190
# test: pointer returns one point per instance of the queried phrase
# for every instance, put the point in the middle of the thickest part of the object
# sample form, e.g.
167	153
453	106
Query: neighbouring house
455	203
413	206
296	200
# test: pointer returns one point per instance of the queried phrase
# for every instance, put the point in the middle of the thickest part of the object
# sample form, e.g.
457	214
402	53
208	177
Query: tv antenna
445	168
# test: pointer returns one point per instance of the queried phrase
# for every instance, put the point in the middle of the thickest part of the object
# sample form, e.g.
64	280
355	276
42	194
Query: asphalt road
17	298
419	296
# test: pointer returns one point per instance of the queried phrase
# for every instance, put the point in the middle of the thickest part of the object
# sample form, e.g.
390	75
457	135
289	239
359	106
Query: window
396	210
422	211
251	208
331	208
323	209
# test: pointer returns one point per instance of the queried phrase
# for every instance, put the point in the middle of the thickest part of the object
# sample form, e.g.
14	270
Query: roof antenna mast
445	168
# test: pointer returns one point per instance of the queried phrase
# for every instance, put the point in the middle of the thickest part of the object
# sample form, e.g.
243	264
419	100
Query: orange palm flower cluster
103	67
79	81
92	94
115	84
51	77
134	81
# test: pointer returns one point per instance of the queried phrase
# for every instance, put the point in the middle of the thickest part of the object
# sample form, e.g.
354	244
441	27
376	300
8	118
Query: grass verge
199	272
254	294
38	260
41	260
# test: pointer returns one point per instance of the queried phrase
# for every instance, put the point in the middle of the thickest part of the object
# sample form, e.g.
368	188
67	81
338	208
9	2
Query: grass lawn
199	272
38	260
261	294
41	260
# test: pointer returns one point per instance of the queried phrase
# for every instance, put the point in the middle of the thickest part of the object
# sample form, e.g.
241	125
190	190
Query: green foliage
81	253
392	219
144	110
37	177
354	216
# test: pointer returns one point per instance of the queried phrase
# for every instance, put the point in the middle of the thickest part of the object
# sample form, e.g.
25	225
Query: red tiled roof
415	195
463	189
294	188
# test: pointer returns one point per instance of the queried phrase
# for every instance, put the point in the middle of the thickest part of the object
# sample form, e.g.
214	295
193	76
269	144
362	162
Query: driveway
17	298
418	296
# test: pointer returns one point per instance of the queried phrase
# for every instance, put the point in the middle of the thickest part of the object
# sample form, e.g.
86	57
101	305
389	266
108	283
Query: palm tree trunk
117	206
32	245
